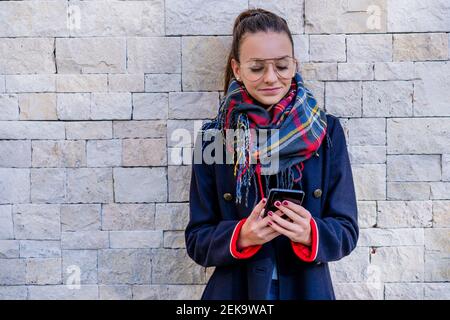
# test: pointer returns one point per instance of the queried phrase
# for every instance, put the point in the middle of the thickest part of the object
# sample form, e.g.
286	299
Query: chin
270	101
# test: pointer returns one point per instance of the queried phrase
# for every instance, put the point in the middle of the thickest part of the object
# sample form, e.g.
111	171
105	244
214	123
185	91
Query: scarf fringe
285	179
245	173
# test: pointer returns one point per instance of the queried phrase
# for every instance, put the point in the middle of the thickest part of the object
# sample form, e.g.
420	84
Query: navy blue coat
215	221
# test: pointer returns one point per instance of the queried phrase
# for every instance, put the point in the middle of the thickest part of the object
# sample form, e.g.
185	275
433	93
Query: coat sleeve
335	233
211	240
338	227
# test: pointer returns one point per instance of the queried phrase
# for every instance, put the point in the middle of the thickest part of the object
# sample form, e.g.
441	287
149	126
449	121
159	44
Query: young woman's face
254	49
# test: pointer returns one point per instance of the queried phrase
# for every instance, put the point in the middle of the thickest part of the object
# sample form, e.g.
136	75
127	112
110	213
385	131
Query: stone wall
92	92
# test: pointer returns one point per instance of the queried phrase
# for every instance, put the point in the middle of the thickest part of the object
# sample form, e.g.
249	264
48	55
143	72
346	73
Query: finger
262	223
257	209
283	215
291	226
279	213
291	214
268	231
281	230
298	209
261	214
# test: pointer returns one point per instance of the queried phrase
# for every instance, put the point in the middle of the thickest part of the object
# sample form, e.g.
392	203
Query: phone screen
295	196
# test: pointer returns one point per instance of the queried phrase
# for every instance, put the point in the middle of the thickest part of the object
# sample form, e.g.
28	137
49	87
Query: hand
298	228
256	229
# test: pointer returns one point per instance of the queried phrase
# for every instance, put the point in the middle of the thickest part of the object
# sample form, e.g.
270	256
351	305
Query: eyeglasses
254	70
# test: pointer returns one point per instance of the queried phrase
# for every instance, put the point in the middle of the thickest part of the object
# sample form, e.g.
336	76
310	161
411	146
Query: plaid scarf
300	124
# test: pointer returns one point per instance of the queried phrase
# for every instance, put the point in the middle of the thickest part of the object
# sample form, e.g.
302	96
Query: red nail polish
270	213
264	200
277	203
270	223
285	203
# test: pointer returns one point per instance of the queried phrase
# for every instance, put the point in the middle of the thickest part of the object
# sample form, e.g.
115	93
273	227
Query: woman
259	256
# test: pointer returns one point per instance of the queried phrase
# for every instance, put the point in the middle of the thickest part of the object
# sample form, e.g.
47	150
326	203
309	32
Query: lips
270	91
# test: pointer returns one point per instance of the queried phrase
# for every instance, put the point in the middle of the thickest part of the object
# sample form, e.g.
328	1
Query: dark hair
252	21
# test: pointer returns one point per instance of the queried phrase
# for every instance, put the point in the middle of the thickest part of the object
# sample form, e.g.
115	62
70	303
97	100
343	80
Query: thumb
257	209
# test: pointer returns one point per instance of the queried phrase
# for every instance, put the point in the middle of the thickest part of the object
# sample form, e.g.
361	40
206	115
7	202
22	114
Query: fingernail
285	203
270	223
270	213
264	200
277	203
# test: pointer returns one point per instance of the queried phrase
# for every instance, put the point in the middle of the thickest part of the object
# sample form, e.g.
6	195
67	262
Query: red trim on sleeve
308	253
246	252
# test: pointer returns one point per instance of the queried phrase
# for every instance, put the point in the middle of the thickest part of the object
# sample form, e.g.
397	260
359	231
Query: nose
270	74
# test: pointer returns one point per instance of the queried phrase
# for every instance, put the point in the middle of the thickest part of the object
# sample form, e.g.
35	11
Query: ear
296	67
236	69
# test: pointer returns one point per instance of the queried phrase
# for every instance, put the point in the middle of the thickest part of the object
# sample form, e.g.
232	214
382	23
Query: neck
267	107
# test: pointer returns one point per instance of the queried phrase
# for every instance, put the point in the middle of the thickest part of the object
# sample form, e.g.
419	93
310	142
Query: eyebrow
259	59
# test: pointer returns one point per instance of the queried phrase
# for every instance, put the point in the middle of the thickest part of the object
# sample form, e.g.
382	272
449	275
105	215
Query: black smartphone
295	196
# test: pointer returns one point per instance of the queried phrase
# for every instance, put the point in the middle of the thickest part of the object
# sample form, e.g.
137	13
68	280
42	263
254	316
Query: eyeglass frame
276	71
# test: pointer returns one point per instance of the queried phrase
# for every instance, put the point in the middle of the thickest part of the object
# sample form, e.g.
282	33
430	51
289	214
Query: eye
256	69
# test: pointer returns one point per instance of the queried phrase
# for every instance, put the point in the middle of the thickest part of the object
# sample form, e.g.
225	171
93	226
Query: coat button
317	193
227	196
